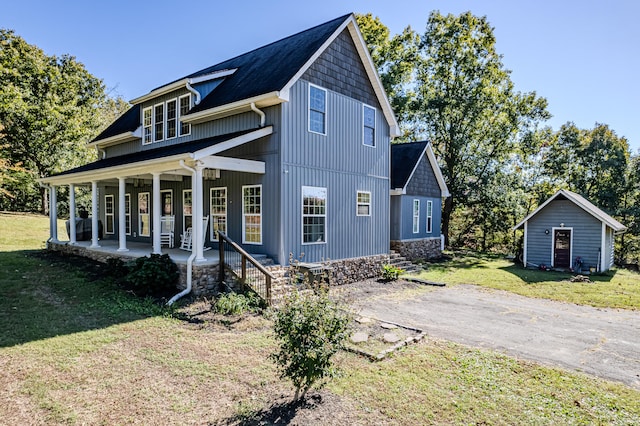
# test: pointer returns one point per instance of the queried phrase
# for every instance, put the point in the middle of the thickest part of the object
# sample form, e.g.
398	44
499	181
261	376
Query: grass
613	289
74	349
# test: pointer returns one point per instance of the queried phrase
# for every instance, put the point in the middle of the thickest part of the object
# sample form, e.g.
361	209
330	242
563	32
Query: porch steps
399	261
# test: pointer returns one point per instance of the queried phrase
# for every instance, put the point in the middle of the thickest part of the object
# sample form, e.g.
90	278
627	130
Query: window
187	204
108	213
144	219
172	119
252	214
127	214
314	215
166	197
185	105
416	216
317	109
158	121
369	125
429	216
218	211
147	126
363	203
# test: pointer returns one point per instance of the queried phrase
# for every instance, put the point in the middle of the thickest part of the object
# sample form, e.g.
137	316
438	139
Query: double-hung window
187	211
109	214
144	218
172	119
363	203
147	125
127	214
158	115
166	195
314	215
218	211
252	214
416	216
185	105
429	216
317	110
369	126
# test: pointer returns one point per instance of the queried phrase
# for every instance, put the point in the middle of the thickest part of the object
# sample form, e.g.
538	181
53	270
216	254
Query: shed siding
424	182
587	232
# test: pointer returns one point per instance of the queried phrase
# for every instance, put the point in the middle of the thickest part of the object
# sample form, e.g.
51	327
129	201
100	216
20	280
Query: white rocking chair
167	226
186	241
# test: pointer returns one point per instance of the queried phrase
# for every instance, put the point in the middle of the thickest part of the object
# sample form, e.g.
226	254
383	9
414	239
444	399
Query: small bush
237	304
153	275
116	268
391	273
310	329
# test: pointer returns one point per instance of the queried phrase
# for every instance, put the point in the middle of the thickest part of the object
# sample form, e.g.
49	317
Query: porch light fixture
562	225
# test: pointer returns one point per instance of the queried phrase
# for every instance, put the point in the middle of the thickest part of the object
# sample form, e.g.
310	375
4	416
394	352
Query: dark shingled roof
127	122
152	154
404	157
267	68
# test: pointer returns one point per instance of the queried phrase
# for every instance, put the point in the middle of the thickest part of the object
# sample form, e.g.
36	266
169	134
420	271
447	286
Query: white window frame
148	126
162	121
215	225
429	216
184	209
416	216
359	203
107	214
175	118
127	213
326	97
247	215
323	215
141	214
188	125
364	126
162	210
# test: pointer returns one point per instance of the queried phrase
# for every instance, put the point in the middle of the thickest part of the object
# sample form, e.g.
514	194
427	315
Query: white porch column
94	214
72	213
53	212
157	212
122	219
198	205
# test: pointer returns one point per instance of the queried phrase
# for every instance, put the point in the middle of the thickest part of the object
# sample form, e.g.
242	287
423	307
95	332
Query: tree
49	108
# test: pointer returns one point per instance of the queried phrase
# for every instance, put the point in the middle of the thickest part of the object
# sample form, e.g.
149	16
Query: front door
562	248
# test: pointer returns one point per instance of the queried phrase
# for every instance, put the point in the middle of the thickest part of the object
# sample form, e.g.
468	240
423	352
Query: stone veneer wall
427	248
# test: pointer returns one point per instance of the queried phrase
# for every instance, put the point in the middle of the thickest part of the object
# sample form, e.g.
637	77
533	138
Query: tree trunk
446	218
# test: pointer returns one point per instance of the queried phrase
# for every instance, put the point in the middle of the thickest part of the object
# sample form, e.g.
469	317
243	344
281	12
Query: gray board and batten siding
586	233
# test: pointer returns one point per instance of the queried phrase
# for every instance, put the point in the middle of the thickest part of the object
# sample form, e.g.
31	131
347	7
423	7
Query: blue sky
583	56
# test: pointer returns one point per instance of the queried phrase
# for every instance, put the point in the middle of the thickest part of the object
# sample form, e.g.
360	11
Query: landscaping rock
388	326
363	320
391	338
359	337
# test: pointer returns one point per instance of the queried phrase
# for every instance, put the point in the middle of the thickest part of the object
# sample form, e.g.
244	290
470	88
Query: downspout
194	91
193	252
259	112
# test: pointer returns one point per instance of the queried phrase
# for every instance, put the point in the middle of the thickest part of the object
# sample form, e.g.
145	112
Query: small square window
363	203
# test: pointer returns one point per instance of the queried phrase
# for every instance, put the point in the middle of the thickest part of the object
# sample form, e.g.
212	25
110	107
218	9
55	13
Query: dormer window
147	126
185	106
172	119
162	120
158	115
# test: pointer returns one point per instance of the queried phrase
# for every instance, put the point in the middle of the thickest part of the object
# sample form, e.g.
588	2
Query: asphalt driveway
601	342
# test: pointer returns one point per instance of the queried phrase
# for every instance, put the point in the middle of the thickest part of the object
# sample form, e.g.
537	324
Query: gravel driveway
601	342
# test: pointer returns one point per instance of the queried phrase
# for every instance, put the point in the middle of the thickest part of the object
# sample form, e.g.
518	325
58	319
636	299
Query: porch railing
245	268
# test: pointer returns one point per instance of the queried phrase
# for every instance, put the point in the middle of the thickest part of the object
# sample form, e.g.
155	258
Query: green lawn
75	349
613	289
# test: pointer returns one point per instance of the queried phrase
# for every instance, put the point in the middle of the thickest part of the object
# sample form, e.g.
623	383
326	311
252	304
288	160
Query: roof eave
237	107
116	139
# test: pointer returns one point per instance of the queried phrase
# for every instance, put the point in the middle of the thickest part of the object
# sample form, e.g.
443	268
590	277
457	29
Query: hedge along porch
569	232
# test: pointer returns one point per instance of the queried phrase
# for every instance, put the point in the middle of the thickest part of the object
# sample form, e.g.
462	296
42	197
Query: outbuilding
569	232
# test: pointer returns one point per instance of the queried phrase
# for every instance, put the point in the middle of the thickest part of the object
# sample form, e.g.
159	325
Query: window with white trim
158	122
314	215
252	214
369	126
363	203
416	216
317	110
429	216
109	227
218	211
144	218
147	125
172	118
185	106
187	209
166	195
127	214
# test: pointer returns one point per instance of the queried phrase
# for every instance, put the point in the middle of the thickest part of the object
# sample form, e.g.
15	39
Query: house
569	232
417	191
285	149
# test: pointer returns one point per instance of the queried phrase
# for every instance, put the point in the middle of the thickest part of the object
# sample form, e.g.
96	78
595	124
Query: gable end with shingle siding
424	182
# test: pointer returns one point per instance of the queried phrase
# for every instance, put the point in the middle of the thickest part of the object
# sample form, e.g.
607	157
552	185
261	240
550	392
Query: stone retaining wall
428	248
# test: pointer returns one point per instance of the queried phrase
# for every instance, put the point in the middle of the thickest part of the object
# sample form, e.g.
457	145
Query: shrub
310	329
116	268
390	272
237	304
153	275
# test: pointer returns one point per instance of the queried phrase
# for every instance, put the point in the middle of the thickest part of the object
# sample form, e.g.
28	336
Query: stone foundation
428	248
